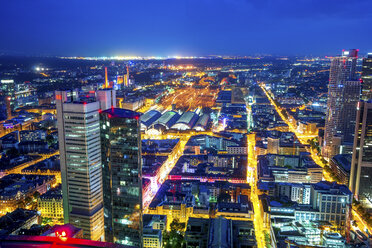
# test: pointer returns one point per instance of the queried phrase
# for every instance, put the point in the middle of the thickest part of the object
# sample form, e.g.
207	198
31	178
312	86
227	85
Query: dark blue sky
184	27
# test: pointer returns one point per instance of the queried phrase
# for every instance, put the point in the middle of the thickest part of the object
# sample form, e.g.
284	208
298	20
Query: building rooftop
121	113
24	241
55	193
202	122
343	160
224	96
14	220
168	119
333	187
149	117
186	121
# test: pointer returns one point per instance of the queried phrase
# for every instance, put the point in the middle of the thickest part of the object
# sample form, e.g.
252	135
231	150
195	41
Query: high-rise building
361	163
126	77
367	78
7	86
122	176
80	155
343	96
3	106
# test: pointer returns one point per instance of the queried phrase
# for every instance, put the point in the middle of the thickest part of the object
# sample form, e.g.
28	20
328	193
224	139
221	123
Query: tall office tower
343	96
367	78
122	176
3	107
361	163
8	104
80	155
7	86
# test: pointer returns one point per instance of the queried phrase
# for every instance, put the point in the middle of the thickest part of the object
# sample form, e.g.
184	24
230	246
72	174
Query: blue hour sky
184	27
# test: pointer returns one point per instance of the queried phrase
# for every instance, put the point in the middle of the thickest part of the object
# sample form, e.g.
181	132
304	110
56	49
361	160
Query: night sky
181	27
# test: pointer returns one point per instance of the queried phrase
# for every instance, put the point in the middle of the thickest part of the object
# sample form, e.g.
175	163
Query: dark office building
361	164
122	176
367	78
3	109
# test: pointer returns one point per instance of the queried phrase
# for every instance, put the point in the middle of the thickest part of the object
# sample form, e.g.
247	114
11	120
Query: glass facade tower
122	176
361	164
7	86
367	78
343	96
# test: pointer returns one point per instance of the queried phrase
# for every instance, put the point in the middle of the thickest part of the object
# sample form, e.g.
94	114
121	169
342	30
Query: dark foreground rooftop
46	242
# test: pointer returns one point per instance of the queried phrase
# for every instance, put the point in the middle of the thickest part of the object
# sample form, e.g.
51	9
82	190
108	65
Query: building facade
3	106
340	165
8	86
81	166
367	78
122	176
50	204
343	95
361	163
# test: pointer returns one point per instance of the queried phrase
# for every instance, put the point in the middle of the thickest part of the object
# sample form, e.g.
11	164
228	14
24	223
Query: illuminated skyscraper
7	86
361	164
80	154
122	176
126	78
367	78
343	96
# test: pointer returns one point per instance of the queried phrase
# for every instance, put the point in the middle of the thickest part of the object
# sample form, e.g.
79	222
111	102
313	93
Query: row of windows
333	198
86	117
316	216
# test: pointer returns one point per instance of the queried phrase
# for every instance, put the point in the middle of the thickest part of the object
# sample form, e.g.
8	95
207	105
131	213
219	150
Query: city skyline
148	152
186	124
185	28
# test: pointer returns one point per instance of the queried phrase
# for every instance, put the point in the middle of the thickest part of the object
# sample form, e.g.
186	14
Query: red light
61	235
85	103
99	110
58	97
136	117
92	92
